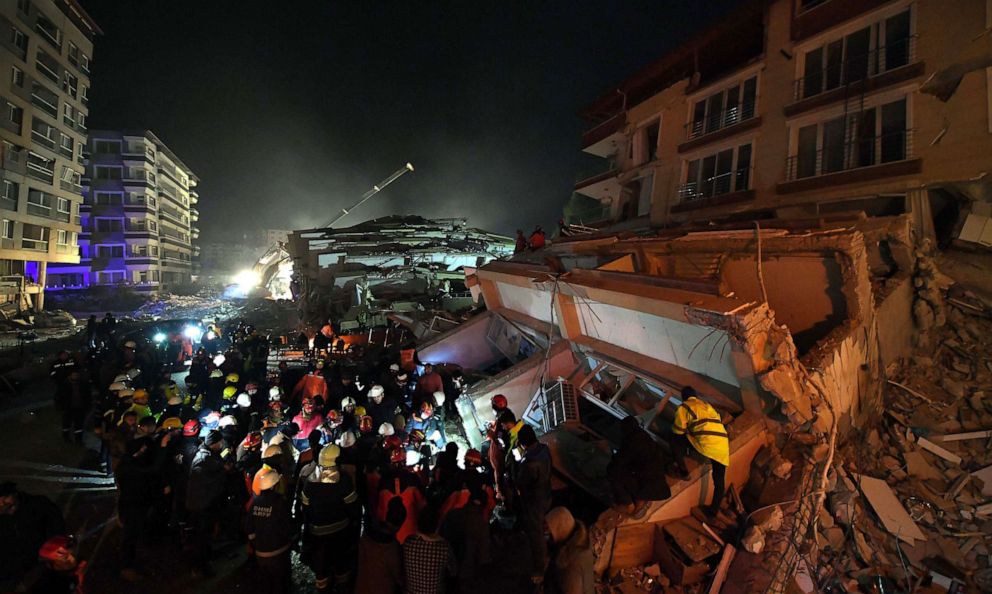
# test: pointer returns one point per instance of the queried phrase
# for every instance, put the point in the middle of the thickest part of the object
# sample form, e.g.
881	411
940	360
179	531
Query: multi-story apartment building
797	109
45	52
139	215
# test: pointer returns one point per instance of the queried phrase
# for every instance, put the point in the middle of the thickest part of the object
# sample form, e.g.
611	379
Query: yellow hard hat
329	455
233	378
172	423
140	396
360	411
230	392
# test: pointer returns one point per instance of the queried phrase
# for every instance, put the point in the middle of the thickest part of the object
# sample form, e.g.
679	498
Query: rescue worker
382	408
532	481
521	243
73	398
270	529
203	499
537	239
331	518
26	522
637	471
308	420
698	424
62	572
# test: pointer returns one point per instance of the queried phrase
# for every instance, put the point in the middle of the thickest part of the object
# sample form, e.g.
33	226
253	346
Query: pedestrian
26	522
91	331
698	424
537	239
572	570
271	532
532	480
203	500
521	243
73	398
380	558
427	557
637	471
139	489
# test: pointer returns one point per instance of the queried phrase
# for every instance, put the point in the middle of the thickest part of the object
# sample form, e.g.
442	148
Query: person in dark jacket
203	499
380	559
139	488
532	481
74	398
637	471
270	529
26	522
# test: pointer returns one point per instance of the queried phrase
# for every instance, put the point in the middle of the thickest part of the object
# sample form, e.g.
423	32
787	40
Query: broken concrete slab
889	510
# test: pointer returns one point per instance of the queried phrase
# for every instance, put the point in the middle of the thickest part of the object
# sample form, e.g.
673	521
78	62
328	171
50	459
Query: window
20	41
152	226
71	177
44	134
10	190
62	238
875	135
16	76
721	173
108	198
153	250
7	229
81	120
107	147
24	6
109	225
110	277
84	63
109	251
644	143
725	108
49	32
68	115
105	172
84	95
73	54
64	205
70	84
66	145
14	113
872	50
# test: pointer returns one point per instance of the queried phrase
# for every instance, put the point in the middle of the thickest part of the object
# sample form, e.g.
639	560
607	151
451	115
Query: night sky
289	111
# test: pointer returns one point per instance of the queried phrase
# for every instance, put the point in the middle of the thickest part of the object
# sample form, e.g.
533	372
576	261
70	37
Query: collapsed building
407	267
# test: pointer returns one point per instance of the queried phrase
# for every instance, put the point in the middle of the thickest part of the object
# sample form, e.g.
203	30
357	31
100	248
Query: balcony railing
857	68
46	101
48	32
36	245
43	140
40	172
722	119
596	214
66	248
707	188
8	203
47	71
854	154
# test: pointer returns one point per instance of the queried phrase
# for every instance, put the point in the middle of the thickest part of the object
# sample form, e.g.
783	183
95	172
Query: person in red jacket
399	481
537	238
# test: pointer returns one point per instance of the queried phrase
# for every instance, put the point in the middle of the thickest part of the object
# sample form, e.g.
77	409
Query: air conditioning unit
562	404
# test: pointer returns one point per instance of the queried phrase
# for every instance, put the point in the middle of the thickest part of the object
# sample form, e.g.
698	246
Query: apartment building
798	109
46	47
139	215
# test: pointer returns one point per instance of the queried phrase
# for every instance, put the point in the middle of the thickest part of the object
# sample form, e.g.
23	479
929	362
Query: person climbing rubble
698	424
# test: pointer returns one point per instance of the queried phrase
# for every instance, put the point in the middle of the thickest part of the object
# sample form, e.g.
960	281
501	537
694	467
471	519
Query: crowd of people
347	462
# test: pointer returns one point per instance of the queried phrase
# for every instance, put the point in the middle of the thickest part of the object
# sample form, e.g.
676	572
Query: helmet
333	418
275	392
133	373
347	439
386	429
252	440
365	424
264	479
398	456
140	396
55	549
230	392
348	401
172	423
219	360
438	398
233	378
473	458
244	400
426	409
191	428
117	386
227	421
122	378
211	419
499	402
360	411
320	364
216	373
251	387
395	368
328	455
130	344
412	457
175	400
377	393
417	436
272	451
125	393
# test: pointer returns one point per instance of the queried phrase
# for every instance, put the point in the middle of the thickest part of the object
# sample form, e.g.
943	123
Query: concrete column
39	302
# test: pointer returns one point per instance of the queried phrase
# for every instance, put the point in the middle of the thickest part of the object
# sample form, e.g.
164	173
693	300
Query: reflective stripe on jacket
702	425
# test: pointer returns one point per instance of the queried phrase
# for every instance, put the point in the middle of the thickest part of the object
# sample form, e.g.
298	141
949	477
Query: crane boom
375	190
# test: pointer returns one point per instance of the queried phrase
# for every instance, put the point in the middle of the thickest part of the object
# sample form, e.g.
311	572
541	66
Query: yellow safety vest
702	425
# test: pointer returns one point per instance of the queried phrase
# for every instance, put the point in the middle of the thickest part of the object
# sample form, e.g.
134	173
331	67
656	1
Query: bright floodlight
247	279
159	337
194	333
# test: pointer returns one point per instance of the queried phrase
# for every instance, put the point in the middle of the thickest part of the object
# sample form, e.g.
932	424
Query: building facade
798	109
139	216
46	48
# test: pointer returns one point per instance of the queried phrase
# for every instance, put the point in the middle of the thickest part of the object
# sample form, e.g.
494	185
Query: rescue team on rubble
356	475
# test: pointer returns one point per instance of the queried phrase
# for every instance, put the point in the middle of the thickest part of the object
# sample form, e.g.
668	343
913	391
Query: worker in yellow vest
698	424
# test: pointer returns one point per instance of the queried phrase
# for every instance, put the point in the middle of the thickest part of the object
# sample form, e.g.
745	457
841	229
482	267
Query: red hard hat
55	548
191	428
473	457
252	439
365	424
499	402
398	456
392	442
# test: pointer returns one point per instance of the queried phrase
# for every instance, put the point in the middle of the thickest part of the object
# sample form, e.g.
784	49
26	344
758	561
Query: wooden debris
888	508
935	449
721	570
918	466
956	486
690	536
910	390
963	436
985	475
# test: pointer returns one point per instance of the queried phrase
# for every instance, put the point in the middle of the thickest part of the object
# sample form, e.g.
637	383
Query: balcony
40	168
48	67
8	203
604	139
49	32
45	100
852	78
61	248
35	245
42	140
717	126
48	212
602	185
171	214
862	159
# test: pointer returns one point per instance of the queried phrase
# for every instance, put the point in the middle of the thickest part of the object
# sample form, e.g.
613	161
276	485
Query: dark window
813	74
743	167
893	139
835	64
897	41
714	108
708	173
857	54
866	138
653	131
833	145
724	167
750	96
806	166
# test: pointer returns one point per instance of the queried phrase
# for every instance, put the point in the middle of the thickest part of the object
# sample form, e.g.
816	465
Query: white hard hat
377	391
348	401
272	451
219	360
439	398
121	378
394	367
125	393
130	344
244	400
347	439
275	392
267	478
133	373
386	429
412	457
227	421
117	386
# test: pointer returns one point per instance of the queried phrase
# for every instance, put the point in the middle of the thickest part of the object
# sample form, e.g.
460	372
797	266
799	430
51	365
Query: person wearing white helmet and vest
270	529
699	425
